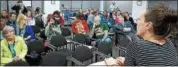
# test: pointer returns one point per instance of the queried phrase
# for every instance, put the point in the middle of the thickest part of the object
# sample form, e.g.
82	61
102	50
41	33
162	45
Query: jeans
107	40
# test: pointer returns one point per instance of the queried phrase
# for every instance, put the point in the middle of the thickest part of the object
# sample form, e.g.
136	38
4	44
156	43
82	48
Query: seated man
100	30
13	48
12	21
79	26
67	15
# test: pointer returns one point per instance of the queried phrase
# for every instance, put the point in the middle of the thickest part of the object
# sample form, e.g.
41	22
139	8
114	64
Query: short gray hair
7	29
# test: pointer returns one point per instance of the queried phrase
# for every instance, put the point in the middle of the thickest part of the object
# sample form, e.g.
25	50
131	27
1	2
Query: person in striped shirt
154	25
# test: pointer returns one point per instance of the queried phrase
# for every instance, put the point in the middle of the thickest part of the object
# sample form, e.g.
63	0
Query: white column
101	5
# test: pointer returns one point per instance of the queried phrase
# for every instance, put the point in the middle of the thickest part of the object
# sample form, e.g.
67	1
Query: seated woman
105	19
29	18
25	30
127	17
100	30
4	14
13	48
52	28
58	18
124	31
79	26
117	17
154	25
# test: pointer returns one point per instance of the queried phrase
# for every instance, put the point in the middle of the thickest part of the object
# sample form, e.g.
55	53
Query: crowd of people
154	26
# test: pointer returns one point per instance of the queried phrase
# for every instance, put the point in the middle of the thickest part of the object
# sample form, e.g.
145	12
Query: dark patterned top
146	53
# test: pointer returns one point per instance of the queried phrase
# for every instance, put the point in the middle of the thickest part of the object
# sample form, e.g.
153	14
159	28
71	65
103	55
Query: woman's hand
120	61
110	61
16	58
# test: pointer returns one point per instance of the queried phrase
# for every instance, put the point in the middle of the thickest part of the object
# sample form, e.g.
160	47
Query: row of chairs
80	49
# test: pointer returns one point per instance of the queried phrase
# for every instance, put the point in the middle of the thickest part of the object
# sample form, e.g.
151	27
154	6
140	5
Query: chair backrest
58	41
81	39
36	29
42	35
105	48
54	59
82	53
36	46
65	31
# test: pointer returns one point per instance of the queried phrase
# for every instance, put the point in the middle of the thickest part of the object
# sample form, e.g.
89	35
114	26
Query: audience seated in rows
12	21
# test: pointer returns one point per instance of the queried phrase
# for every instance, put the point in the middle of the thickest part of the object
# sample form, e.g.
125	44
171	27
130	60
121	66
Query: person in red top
58	18
79	26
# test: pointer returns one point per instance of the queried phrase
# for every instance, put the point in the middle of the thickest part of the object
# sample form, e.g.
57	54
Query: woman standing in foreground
155	26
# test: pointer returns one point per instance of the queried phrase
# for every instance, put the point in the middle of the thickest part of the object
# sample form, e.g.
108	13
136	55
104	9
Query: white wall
136	10
50	8
27	3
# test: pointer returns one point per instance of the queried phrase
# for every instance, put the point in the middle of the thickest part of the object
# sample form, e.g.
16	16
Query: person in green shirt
52	29
13	48
100	30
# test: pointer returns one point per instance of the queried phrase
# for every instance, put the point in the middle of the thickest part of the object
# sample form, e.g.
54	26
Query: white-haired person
100	30
13	48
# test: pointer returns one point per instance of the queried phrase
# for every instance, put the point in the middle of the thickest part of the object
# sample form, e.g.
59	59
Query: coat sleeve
4	59
24	49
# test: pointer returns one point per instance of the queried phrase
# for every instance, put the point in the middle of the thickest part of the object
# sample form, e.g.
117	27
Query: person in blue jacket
25	31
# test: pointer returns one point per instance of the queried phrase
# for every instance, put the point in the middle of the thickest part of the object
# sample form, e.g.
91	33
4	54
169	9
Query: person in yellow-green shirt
13	48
